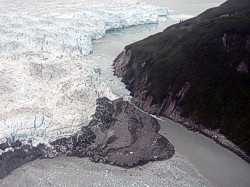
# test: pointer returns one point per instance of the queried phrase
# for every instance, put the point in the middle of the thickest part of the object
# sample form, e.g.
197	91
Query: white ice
47	88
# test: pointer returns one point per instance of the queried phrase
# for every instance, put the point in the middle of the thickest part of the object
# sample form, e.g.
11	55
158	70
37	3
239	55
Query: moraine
178	171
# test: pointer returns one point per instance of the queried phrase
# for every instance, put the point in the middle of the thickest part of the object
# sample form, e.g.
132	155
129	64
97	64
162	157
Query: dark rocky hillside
196	72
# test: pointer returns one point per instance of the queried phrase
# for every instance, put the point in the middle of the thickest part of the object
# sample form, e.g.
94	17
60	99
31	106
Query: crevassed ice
47	88
64	26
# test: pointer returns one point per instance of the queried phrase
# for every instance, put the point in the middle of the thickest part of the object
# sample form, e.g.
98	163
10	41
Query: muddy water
196	154
216	163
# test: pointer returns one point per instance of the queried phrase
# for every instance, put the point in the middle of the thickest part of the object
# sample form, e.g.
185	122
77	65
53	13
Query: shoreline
134	66
131	170
68	171
214	136
120	71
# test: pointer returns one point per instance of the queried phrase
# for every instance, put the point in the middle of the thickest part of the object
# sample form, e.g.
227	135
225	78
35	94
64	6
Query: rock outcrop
18	155
197	73
118	134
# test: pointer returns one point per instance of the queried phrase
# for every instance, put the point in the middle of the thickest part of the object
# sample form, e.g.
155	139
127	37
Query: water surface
198	160
193	7
214	162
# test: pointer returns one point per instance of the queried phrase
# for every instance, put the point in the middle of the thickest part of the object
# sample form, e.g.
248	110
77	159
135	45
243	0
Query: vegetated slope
196	71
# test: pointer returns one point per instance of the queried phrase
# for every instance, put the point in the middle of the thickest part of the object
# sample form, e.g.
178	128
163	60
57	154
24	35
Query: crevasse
47	87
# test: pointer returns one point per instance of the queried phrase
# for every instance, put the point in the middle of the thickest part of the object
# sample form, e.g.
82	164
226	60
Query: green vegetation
193	51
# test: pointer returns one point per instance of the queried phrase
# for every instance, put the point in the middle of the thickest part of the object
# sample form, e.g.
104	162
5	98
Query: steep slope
196	72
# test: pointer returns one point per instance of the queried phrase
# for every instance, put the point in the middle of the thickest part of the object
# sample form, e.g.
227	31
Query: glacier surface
48	88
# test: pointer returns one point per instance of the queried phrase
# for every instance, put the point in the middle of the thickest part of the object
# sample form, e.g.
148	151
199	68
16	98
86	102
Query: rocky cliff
197	72
118	134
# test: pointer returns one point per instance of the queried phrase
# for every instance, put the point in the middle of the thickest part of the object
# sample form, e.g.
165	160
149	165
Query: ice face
47	88
47	101
42	27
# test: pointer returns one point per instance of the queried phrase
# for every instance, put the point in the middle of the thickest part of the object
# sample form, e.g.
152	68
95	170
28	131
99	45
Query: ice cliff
48	88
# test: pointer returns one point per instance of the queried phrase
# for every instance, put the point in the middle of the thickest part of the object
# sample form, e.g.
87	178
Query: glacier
48	87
